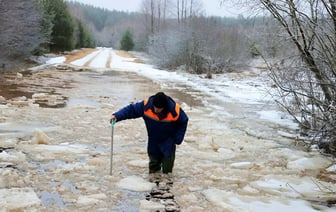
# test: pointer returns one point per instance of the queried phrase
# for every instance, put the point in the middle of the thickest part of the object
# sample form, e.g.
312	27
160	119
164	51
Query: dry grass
327	176
124	54
262	68
128	55
137	60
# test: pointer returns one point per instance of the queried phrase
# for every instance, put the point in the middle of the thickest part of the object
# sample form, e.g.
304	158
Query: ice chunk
18	198
40	137
91	199
230	201
138	163
331	168
146	205
135	183
242	165
309	163
9	143
12	156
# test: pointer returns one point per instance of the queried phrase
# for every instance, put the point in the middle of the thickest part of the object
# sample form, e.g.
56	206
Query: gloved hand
113	118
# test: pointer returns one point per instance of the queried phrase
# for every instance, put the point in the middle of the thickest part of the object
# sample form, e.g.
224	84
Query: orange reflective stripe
169	116
177	110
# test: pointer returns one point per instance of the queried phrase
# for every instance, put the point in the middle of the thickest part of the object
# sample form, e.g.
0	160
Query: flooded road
55	156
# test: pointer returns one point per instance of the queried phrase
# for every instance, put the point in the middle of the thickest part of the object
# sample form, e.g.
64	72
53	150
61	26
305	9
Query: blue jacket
162	134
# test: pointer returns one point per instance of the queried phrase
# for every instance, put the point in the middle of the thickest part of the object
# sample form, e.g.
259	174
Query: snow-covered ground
234	157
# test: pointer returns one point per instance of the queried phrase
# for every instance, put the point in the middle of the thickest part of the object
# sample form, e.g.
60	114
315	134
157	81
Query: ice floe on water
233	157
18	198
230	201
314	163
135	183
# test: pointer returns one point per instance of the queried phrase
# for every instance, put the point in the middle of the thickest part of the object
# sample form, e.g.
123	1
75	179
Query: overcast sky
212	7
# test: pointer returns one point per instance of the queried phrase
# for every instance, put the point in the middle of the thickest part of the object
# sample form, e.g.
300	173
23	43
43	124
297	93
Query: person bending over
166	125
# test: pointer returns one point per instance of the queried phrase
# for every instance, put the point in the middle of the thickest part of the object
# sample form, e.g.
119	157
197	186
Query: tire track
87	64
109	60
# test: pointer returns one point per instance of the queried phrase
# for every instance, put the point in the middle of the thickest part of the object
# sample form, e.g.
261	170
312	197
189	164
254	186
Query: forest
295	38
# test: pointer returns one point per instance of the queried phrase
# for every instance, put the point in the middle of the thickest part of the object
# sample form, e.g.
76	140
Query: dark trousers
161	162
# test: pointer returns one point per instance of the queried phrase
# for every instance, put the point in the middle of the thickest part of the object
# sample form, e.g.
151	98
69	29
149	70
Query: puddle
188	98
12	88
11	91
52	199
7	132
70	185
11	129
130	201
98	149
72	102
52	164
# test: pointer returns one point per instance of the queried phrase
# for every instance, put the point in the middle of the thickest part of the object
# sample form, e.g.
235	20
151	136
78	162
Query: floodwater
231	160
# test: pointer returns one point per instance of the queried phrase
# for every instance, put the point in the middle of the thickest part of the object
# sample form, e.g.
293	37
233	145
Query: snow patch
101	61
278	118
56	60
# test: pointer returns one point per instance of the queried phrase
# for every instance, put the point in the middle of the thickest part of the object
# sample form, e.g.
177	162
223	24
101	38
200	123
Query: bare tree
157	12
20	28
152	14
202	46
178	10
186	9
307	79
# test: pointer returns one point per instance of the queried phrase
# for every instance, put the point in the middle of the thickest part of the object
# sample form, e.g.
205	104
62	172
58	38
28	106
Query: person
166	125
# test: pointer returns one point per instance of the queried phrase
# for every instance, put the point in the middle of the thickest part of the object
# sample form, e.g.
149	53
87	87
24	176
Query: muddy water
76	88
226	149
82	122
